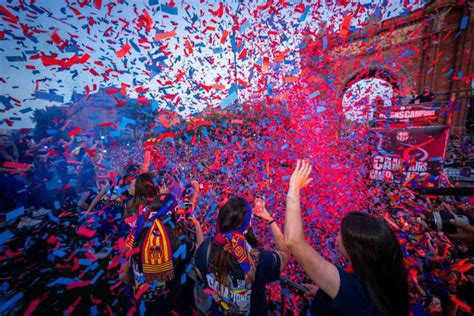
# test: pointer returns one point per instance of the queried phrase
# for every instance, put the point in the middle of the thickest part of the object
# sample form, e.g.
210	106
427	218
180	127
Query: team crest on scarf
235	244
157	255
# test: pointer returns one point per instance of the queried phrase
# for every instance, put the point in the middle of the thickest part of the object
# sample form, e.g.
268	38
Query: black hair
376	257
145	191
230	217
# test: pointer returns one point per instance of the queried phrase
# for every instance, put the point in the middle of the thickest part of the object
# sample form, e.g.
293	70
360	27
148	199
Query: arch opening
366	92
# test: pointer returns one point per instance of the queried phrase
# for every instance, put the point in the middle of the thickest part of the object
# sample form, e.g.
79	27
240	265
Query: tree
49	122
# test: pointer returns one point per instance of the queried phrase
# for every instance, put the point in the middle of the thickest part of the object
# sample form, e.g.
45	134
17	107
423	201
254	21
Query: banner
402	153
407	115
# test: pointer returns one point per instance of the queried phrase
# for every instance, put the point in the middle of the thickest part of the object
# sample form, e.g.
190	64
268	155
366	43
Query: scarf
156	250
157	255
235	243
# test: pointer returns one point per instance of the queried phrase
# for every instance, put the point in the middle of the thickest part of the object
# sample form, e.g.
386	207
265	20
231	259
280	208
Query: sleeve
190	249
201	259
268	269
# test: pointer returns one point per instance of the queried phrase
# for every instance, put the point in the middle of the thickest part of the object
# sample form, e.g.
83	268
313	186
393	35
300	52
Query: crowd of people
460	152
206	219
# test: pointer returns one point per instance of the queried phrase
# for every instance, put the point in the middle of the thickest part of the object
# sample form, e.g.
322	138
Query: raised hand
260	210
300	177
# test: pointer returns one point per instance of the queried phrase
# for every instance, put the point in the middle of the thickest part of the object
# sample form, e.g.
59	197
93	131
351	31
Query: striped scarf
235	243
157	254
156	249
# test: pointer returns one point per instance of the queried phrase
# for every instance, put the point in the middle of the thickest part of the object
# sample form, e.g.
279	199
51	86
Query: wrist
293	190
270	221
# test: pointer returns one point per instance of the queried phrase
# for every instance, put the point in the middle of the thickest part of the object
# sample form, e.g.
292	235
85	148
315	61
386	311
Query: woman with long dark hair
143	190
378	284
233	267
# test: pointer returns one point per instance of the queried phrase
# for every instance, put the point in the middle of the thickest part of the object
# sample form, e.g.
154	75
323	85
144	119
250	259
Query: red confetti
123	51
32	307
83	231
75	131
165	35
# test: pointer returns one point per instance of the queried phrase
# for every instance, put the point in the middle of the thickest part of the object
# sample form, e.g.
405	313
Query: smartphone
290	284
259	204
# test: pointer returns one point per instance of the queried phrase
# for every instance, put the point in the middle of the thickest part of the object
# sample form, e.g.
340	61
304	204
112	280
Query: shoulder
268	257
201	253
352	294
349	281
268	266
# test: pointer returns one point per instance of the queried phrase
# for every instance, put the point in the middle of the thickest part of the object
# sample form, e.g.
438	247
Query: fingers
459	224
298	165
457	236
303	167
305	171
300	175
308	169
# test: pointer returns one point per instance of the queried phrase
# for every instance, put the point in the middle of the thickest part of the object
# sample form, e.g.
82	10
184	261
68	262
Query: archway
367	91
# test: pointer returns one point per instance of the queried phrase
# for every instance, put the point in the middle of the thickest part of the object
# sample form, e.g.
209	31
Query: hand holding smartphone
259	205
260	209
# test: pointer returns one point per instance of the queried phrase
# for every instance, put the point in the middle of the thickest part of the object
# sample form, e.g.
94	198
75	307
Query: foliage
49	122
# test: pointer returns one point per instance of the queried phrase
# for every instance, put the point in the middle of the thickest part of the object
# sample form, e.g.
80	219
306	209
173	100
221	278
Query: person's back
352	298
233	293
379	283
232	266
161	266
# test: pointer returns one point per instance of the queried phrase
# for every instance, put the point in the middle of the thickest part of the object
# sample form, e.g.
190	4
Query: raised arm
97	198
195	197
323	273
145	167
199	233
278	237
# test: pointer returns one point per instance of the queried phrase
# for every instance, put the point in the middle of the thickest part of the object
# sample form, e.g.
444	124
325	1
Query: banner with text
402	152
407	115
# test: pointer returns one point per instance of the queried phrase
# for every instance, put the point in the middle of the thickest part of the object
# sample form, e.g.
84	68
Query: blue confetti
62	281
305	13
15	213
228	101
97	276
180	252
49	96
5	306
169	10
464	22
5	236
314	94
126	121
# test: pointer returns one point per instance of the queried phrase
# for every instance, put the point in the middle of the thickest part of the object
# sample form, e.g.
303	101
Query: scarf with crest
235	243
156	254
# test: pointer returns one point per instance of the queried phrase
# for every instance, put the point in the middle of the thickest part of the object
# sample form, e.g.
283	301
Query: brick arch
425	48
373	72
